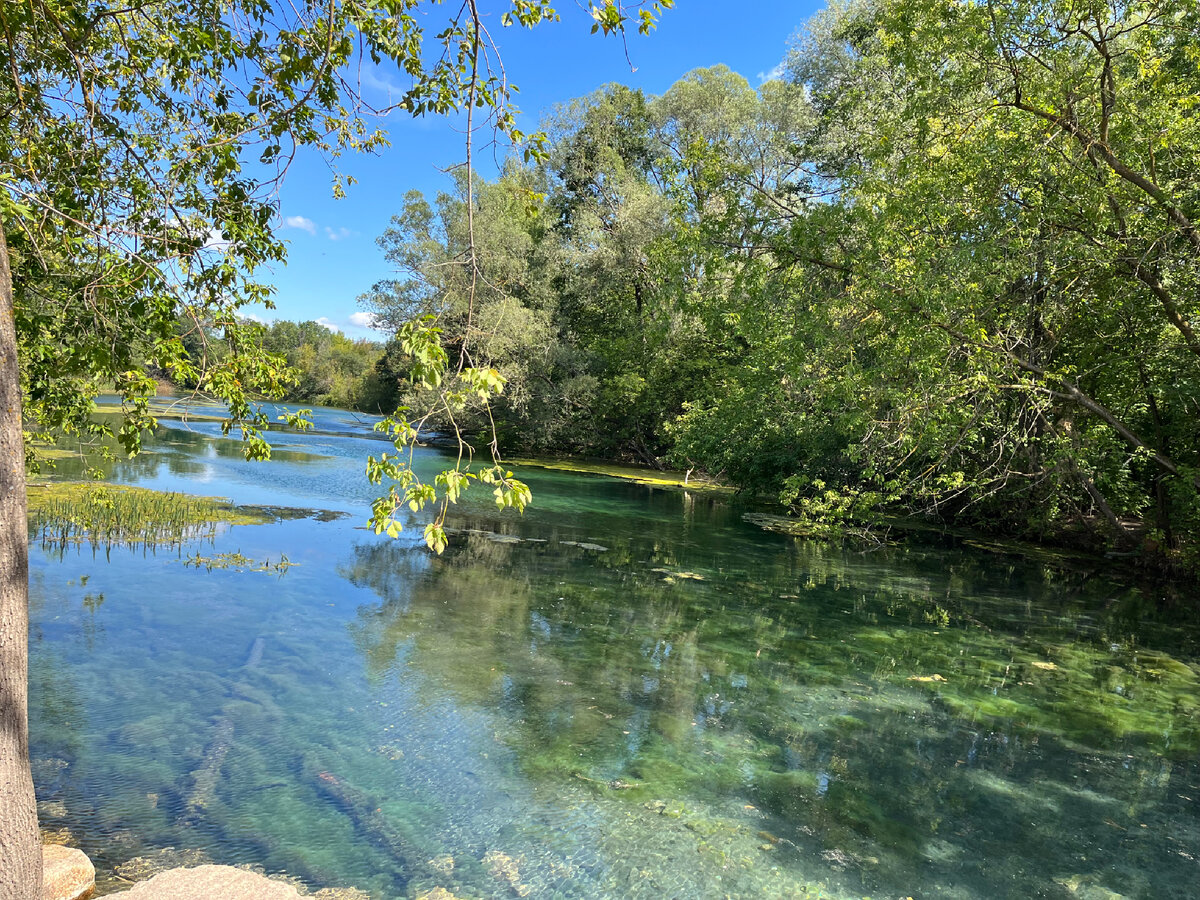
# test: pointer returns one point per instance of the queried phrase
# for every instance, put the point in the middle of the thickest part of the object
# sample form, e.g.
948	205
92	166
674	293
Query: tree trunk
20	844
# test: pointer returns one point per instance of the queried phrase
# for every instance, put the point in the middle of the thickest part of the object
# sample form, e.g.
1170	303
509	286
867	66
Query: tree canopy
946	265
140	147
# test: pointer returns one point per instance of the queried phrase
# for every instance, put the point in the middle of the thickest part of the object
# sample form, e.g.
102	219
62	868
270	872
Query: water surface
628	692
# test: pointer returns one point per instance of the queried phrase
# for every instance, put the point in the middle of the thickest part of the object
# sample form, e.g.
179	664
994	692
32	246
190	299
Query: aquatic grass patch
239	562
115	515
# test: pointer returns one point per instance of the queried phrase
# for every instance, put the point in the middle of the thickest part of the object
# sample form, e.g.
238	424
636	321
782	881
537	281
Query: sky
333	256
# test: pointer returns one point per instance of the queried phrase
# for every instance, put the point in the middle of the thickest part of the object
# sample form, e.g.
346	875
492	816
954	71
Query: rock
341	894
67	873
443	863
142	867
504	868
1087	887
438	893
211	883
51	809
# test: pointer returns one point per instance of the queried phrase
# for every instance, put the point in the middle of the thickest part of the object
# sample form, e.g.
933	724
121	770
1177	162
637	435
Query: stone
503	867
51	809
141	868
443	863
438	893
67	873
210	883
341	894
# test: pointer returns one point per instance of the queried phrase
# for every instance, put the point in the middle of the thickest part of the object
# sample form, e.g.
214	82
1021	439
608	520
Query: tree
1023	187
139	147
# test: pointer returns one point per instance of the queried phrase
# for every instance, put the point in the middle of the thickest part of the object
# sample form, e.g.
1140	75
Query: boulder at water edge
210	883
67	873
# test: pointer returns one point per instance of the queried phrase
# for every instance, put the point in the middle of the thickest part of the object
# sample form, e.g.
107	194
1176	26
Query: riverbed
629	691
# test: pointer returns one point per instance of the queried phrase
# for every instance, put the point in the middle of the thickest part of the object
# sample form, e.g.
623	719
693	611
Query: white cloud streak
362	319
773	75
300	222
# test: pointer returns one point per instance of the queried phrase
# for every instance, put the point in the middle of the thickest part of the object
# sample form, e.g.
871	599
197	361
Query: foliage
140	149
948	264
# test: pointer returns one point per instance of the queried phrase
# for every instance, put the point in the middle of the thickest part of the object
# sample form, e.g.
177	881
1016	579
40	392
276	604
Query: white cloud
773	75
300	222
362	319
338	235
255	317
214	240
325	323
376	77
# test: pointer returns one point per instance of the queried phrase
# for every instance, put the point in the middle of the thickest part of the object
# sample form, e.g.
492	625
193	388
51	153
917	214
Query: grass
653	477
103	514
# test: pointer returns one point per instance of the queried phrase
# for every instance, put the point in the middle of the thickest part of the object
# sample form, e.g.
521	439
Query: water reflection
892	722
627	692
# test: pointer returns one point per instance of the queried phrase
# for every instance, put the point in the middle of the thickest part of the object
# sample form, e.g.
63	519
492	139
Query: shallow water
628	692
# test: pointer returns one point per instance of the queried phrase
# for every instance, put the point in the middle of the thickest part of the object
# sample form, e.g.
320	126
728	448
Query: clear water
700	709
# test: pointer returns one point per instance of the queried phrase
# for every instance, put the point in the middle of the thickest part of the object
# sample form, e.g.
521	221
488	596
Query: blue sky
333	255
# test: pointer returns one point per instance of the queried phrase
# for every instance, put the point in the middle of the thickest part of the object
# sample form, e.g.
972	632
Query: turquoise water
628	692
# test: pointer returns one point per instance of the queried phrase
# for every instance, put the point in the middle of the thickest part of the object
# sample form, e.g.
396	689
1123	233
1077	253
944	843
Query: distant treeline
323	367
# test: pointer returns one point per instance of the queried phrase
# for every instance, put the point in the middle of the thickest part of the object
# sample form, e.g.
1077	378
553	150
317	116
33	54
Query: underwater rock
56	835
224	882
52	809
443	863
48	769
584	545
205	777
1085	887
504	868
341	894
438	893
142	867
67	873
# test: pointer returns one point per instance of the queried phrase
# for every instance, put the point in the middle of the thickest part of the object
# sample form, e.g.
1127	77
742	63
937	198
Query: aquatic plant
239	562
111	515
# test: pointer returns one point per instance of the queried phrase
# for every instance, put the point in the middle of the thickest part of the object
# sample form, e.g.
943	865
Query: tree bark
20	843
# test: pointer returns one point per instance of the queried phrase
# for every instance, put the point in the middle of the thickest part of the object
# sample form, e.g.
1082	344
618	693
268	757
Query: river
626	692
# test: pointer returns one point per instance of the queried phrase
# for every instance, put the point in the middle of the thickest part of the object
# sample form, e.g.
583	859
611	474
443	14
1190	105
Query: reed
105	515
